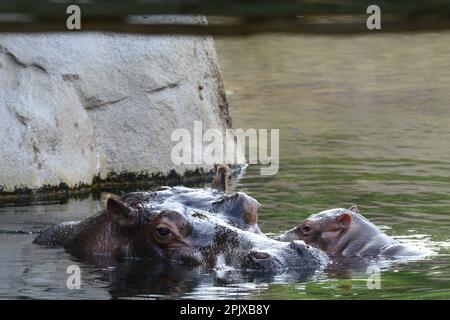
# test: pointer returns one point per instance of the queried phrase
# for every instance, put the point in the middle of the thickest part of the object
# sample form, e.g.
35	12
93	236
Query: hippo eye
163	231
306	228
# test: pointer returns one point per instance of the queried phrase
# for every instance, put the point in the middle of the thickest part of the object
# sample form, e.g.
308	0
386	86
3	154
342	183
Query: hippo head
327	230
346	233
239	209
204	228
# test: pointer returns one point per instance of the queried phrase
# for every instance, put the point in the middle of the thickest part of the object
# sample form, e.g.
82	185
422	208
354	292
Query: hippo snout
290	235
283	256
300	247
306	255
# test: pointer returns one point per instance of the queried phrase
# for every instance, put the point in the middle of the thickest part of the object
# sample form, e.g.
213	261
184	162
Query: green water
363	120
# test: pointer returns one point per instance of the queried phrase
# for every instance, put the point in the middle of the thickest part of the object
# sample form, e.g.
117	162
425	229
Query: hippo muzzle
289	256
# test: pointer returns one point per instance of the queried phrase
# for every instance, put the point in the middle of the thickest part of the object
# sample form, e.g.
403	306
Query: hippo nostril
299	246
260	255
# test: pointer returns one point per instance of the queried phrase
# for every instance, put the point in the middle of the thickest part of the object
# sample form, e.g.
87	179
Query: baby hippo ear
354	209
344	219
119	212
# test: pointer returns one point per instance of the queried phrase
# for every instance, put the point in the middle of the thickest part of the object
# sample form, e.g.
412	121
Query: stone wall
79	106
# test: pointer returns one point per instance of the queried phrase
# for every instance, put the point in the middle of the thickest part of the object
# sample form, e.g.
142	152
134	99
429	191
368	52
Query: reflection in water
147	280
363	120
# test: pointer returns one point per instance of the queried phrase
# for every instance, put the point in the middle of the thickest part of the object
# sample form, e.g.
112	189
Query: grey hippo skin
178	225
345	232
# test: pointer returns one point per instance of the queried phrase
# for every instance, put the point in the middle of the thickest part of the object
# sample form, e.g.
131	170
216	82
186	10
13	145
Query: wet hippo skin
345	232
178	225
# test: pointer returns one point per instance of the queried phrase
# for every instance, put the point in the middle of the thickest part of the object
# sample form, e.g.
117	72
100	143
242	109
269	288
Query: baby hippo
344	232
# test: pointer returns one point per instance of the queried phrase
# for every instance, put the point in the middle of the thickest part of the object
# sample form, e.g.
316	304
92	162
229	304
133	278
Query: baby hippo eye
163	231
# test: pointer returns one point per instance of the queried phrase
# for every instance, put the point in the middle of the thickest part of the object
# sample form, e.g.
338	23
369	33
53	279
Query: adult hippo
195	227
345	232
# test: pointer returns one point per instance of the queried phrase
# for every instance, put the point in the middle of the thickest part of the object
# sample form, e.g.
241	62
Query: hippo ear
220	181
119	212
344	219
354	209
